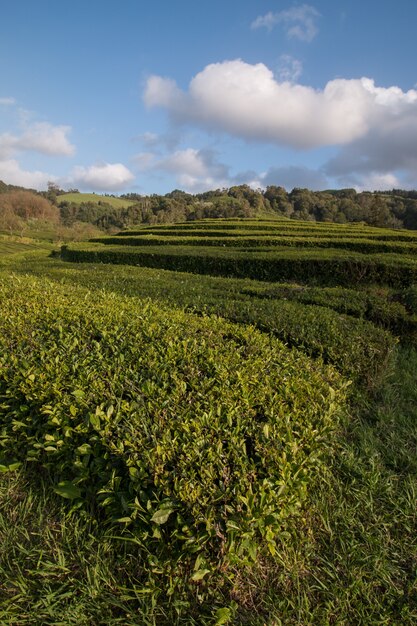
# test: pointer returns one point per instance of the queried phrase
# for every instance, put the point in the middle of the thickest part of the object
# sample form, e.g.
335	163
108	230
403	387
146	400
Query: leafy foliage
123	404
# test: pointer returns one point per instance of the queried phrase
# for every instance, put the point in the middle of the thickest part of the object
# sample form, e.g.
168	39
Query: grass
79	198
15	245
57	566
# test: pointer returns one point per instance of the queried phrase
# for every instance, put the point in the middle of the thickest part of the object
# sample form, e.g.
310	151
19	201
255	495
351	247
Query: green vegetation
394	210
211	449
81	198
315	265
15	245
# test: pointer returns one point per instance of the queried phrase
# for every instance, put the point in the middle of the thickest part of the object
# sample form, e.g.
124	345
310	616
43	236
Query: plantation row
292	230
314	323
356	245
316	266
273	225
121	400
394	309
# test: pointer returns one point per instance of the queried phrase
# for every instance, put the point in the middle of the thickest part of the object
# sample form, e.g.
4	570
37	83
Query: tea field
210	423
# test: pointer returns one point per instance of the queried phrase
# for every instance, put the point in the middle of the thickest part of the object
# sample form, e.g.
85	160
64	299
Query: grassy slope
78	198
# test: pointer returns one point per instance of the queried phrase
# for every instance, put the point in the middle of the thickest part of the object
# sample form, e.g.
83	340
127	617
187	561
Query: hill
80	198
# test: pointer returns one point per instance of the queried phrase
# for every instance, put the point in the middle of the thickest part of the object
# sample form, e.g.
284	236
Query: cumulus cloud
247	101
299	22
12	173
388	152
374	127
102	177
38	137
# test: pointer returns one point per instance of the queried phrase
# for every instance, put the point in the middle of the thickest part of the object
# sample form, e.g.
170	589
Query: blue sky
148	97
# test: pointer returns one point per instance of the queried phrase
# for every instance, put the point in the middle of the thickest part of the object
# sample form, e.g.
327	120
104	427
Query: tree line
393	209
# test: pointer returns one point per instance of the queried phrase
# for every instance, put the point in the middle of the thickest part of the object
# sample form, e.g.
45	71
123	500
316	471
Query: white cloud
388	152
7	101
102	177
47	139
247	101
299	22
290	69
194	163
13	174
38	137
379	182
375	127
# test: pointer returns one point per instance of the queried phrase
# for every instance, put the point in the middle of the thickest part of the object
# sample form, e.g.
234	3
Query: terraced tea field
268	250
228	408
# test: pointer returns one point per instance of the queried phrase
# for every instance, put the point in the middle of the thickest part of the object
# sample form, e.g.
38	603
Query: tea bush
315	266
199	436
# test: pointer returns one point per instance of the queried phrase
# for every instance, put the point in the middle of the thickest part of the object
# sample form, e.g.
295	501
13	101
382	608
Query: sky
147	97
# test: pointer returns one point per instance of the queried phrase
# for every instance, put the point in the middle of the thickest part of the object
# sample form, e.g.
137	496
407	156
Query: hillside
80	198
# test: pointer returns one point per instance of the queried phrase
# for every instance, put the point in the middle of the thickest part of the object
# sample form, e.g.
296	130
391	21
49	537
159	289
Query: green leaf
199	574
9	468
223	616
95	421
85	448
68	490
161	516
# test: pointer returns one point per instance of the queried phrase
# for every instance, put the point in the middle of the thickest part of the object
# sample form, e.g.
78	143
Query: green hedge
367	246
382	309
198	435
324	267
317	231
358	349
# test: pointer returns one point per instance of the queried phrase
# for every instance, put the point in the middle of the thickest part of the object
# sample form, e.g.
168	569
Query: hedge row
311	232
357	348
366	246
202	437
324	267
390	311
